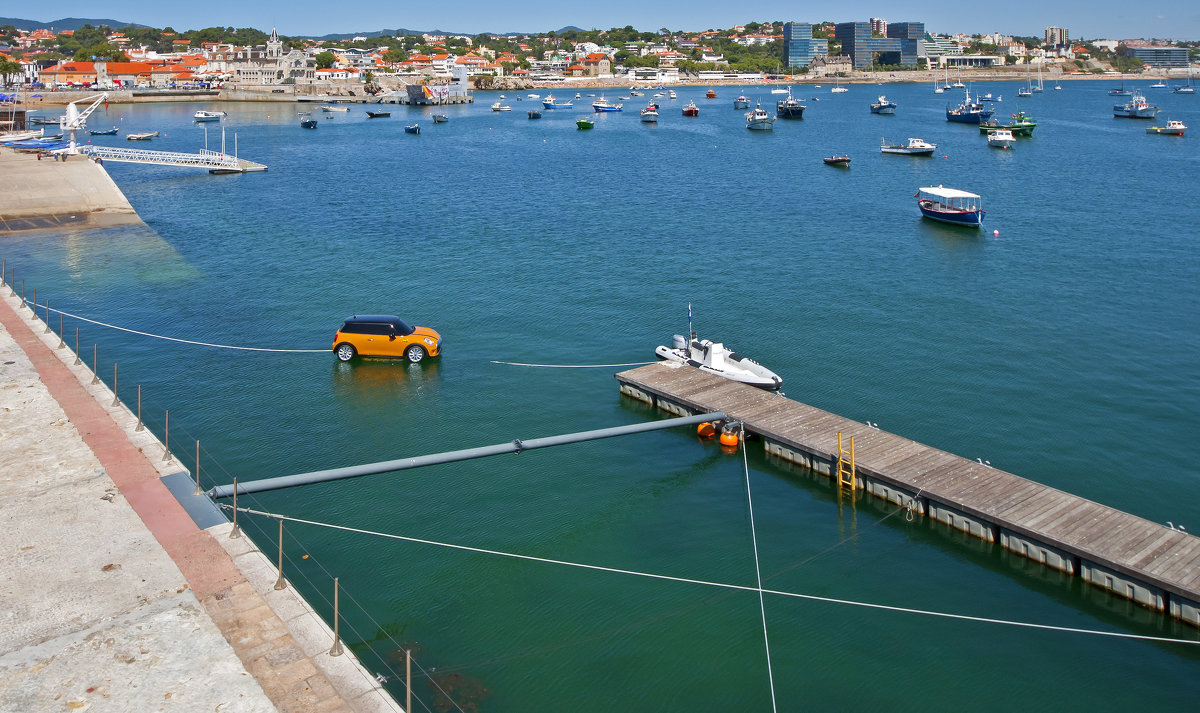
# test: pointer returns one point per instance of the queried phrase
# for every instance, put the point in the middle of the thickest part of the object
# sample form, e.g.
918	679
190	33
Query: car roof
389	318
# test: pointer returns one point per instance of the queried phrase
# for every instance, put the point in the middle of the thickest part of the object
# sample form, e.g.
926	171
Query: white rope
182	341
762	607
572	366
719	585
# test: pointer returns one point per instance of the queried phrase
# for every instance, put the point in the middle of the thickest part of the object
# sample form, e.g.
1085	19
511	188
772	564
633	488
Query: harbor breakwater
42	193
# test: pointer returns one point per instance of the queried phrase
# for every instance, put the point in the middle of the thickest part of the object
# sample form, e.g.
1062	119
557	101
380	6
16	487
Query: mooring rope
572	366
718	585
762	607
175	339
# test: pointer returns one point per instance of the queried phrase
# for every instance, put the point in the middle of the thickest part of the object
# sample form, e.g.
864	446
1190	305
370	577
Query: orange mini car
382	335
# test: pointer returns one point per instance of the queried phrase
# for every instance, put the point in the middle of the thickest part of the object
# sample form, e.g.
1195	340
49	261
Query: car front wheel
414	353
345	352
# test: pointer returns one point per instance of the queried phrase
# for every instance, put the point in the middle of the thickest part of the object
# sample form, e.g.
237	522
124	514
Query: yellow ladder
845	464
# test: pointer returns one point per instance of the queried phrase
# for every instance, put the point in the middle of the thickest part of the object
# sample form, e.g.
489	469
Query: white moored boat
203	115
713	358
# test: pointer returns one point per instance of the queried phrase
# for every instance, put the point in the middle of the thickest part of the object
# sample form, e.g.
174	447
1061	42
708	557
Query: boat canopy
948	193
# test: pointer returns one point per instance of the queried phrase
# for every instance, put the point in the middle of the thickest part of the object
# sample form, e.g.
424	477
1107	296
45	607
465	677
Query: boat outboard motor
679	342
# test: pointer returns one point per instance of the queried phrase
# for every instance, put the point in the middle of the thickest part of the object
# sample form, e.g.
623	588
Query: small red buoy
706	430
729	439
995	233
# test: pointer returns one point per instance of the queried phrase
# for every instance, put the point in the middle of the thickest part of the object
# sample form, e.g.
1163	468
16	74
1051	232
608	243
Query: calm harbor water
1065	349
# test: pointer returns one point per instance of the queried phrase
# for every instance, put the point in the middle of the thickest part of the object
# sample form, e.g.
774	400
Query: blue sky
1111	19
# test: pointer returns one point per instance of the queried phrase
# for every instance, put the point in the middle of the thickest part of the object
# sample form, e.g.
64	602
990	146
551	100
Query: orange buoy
729	438
706	430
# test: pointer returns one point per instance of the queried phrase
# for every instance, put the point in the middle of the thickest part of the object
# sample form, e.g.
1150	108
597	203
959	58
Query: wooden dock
1151	564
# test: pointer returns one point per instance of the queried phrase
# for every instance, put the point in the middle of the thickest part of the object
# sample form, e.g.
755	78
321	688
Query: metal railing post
166	435
61	343
280	583
95	375
78	361
234	533
116	399
23	305
139	426
408	680
33	309
337	641
47	320
198	491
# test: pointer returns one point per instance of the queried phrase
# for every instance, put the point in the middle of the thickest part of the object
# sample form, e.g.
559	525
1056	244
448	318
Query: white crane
75	120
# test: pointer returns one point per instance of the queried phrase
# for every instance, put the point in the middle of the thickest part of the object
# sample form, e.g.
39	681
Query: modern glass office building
901	46
800	48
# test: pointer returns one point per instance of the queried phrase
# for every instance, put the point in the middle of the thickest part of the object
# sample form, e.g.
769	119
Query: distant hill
66	23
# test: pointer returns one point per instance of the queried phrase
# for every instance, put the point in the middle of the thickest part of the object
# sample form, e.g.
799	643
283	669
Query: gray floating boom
516	446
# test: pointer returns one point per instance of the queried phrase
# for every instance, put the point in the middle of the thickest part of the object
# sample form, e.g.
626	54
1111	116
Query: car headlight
429	341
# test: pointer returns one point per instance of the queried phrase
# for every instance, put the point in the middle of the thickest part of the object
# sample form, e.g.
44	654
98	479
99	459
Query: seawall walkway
113	598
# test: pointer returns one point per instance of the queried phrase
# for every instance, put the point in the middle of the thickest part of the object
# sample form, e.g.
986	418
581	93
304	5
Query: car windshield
402	329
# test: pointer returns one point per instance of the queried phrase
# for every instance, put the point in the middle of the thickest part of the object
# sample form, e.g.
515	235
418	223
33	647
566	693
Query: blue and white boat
742	102
551	103
950	205
790	108
968	112
1136	108
883	106
602	105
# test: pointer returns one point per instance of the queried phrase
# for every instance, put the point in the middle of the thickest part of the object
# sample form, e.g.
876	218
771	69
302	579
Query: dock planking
1154	565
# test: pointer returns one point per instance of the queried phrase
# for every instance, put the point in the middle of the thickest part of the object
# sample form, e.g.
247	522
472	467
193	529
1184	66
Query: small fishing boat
1021	124
601	105
203	115
989	97
308	123
535	114
440	118
650	114
711	94
742	102
691	109
837	160
950	205
883	106
1174	127
670	93
414	129
790	108
759	119
585	124
103	132
1000	139
713	358
330	108
550	102
378	114
1160	84
1136	108
914	147
781	90
501	107
968	112
143	136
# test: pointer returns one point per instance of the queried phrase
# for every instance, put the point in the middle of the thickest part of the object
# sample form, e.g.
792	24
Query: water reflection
369	383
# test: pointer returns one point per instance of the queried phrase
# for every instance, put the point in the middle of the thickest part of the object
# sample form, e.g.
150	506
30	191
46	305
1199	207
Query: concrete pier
48	194
1151	564
114	598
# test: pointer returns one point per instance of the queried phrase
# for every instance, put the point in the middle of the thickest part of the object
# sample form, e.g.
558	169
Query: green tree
325	59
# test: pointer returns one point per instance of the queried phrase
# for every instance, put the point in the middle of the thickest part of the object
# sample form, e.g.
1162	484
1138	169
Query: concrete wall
50	194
